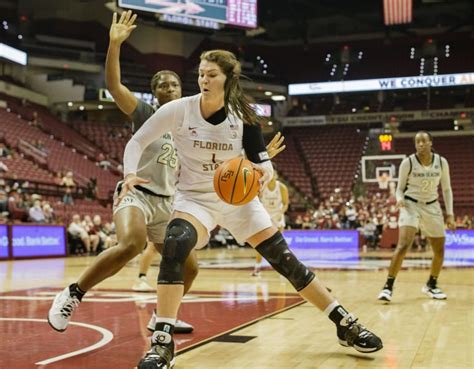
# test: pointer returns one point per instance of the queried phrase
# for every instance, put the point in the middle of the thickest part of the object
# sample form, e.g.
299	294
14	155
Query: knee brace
275	250
180	238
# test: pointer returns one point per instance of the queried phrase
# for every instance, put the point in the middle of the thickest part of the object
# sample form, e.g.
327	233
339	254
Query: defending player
420	175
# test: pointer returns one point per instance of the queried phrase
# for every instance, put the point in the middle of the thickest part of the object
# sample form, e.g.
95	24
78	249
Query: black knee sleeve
180	238
275	250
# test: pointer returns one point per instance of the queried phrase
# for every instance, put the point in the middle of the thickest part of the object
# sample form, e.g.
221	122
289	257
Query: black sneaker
351	333
158	357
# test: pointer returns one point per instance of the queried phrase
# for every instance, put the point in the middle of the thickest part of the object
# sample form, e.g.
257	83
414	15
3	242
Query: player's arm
256	152
285	198
403	173
447	193
163	120
119	31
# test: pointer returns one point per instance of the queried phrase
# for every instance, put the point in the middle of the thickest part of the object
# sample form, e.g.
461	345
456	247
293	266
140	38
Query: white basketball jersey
202	146
423	181
272	201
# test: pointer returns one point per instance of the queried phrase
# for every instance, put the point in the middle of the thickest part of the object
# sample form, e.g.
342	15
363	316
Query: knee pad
180	238
275	250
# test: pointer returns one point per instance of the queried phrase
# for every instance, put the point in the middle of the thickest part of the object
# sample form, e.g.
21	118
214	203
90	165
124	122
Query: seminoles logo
227	175
245	172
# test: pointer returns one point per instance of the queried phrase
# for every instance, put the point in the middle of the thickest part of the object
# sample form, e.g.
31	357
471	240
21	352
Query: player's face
167	89
423	143
211	80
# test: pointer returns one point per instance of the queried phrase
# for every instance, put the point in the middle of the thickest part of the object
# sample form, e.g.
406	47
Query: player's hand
121	29
450	222
275	147
129	183
266	170
400	204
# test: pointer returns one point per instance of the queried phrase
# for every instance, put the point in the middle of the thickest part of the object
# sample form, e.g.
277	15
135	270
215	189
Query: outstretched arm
447	194
119	31
403	172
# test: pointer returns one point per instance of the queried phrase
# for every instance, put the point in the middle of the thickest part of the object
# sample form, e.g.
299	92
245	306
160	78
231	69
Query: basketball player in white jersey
275	200
420	175
145	213
208	129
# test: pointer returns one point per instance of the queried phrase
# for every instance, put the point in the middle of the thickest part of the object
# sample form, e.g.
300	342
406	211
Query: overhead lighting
270	123
278	98
81	107
268	93
100	107
70	104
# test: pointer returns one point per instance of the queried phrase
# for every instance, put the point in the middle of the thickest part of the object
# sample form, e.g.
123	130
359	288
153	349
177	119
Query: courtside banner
459	248
323	248
38	240
380	84
3	241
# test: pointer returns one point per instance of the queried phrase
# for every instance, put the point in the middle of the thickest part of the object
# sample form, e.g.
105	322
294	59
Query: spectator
49	216
4	152
67	198
68	180
36	214
76	229
91	189
466	222
3	201
105	163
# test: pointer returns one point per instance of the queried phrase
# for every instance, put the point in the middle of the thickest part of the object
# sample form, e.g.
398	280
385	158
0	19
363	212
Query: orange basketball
236	181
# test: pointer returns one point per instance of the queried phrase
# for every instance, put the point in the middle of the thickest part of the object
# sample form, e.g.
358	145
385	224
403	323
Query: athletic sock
389	283
75	291
336	312
432	281
164	330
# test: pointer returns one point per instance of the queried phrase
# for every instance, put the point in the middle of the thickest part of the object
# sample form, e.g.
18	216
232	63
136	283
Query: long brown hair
234	97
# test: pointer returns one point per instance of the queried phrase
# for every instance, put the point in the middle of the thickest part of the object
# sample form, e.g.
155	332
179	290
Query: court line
107	336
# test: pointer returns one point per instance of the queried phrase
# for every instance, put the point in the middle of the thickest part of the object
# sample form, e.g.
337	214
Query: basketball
236	181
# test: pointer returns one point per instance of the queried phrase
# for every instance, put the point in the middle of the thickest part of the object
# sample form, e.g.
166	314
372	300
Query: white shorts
278	220
428	218
241	221
156	209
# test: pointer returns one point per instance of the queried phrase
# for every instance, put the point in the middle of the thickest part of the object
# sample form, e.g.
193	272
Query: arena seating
60	157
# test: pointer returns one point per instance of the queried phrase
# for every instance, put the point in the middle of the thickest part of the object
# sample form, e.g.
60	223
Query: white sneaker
62	309
142	285
180	326
385	295
256	273
434	293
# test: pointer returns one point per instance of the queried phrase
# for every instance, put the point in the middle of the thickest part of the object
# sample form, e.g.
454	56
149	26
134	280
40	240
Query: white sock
331	307
166	320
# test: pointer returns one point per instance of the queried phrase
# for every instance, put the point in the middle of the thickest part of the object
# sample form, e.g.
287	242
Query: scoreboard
204	13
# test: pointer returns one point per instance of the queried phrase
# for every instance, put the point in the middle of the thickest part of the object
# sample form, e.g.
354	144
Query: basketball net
383	181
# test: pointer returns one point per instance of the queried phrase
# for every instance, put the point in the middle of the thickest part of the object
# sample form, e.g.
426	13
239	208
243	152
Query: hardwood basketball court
240	321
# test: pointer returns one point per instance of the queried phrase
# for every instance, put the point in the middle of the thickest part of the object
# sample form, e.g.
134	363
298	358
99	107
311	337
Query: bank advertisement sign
34	240
3	241
324	248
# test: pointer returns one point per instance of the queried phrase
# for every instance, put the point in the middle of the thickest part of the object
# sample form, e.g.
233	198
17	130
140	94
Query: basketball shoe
142	285
435	293
351	333
180	326
385	295
62	309
161	355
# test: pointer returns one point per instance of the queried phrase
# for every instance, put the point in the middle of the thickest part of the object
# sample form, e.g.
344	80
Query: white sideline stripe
107	336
